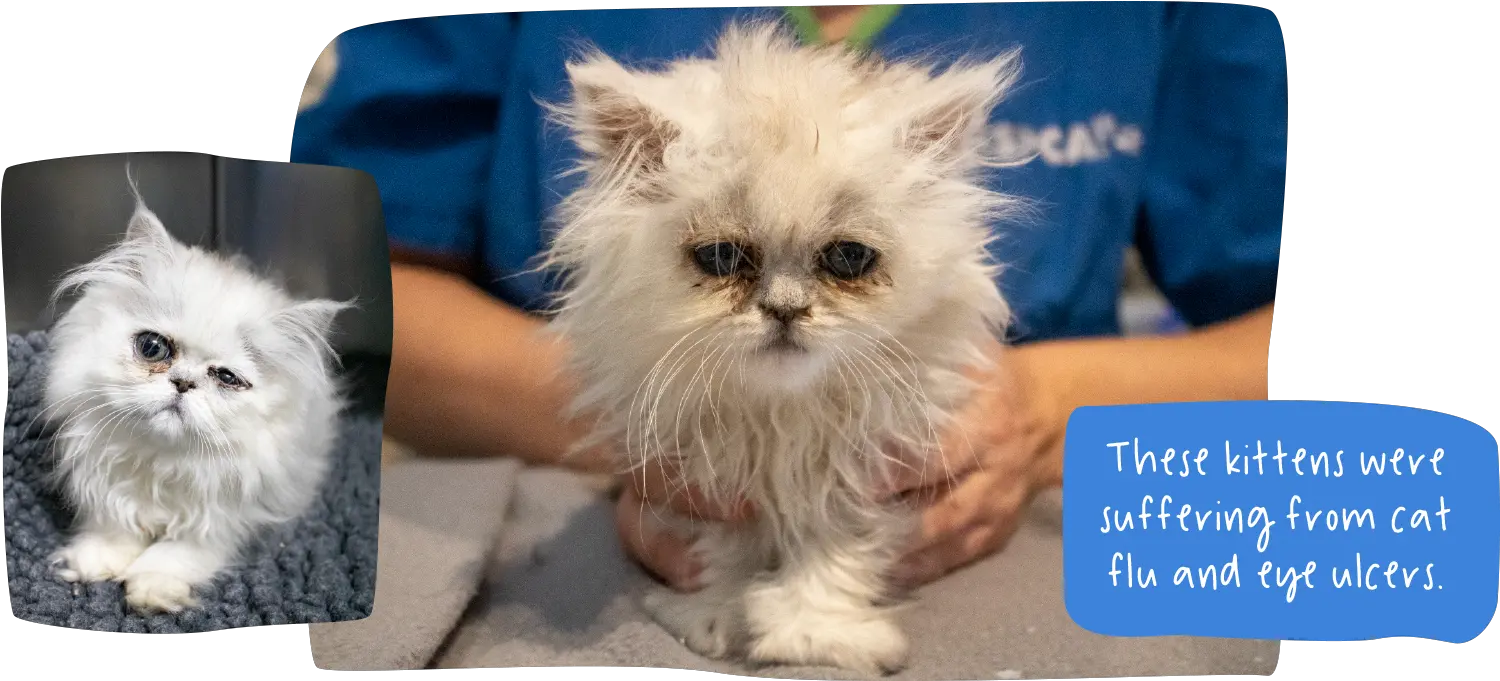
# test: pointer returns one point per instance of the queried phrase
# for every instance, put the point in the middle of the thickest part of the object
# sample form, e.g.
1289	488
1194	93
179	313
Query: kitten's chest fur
808	459
167	492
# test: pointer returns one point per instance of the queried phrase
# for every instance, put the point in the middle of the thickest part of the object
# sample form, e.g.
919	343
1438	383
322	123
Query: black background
1386	288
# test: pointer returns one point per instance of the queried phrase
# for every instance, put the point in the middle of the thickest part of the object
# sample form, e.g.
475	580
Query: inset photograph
198	350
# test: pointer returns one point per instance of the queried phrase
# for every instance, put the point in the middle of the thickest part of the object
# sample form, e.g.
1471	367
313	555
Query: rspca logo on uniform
1061	146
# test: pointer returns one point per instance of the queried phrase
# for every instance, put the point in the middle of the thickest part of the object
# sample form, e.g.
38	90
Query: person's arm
1209	230
415	103
1223	361
1209	233
471	375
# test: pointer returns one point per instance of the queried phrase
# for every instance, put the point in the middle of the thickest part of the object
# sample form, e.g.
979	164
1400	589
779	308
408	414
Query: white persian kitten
196	407
776	270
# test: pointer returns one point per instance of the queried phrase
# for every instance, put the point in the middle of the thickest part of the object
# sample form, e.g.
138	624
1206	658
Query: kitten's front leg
820	608
99	553
709	621
163	577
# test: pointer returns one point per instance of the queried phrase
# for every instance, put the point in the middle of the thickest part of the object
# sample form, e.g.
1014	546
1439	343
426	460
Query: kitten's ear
950	123
309	322
609	119
144	227
296	338
300	333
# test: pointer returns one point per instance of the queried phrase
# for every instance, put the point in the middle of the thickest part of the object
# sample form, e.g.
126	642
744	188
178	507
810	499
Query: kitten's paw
95	558
157	591
706	624
859	642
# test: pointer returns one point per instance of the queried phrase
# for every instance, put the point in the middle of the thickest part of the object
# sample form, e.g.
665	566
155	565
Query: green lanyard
871	22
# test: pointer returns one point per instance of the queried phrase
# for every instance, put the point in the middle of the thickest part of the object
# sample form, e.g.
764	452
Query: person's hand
656	547
1002	448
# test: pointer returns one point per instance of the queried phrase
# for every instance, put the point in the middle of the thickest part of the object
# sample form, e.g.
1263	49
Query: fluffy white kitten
777	269
196	407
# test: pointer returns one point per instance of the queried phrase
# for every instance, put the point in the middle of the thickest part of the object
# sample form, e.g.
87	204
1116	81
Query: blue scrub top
1158	125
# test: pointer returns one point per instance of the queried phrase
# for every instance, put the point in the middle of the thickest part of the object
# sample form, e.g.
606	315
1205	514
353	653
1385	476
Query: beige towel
561	593
439	522
393	451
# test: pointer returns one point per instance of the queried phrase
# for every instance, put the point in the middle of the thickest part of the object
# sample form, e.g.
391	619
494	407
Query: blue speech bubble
1319	521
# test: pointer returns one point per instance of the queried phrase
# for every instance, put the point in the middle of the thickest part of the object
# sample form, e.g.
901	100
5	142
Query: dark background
317	230
1383	288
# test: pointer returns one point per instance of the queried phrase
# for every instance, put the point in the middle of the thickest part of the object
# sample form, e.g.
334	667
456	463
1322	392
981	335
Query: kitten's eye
228	378
153	347
720	259
848	259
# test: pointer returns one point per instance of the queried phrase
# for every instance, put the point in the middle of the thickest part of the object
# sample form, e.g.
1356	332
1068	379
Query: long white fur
671	371
165	500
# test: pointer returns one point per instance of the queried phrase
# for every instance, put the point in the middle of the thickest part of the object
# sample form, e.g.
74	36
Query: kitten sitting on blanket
196	406
776	269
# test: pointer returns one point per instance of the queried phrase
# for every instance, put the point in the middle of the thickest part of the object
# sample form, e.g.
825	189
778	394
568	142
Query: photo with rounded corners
197	349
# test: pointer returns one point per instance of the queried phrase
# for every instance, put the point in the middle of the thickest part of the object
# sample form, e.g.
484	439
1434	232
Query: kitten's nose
183	384
785	314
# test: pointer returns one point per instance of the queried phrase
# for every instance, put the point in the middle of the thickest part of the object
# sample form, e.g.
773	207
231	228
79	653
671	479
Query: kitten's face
183	345
796	214
182	380
788	283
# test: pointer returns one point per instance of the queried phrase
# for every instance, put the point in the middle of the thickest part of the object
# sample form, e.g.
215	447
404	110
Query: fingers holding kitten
656	491
967	522
654	544
922	478
661	484
928	564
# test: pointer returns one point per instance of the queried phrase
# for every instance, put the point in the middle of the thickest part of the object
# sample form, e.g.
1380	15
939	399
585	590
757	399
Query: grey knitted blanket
320	568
